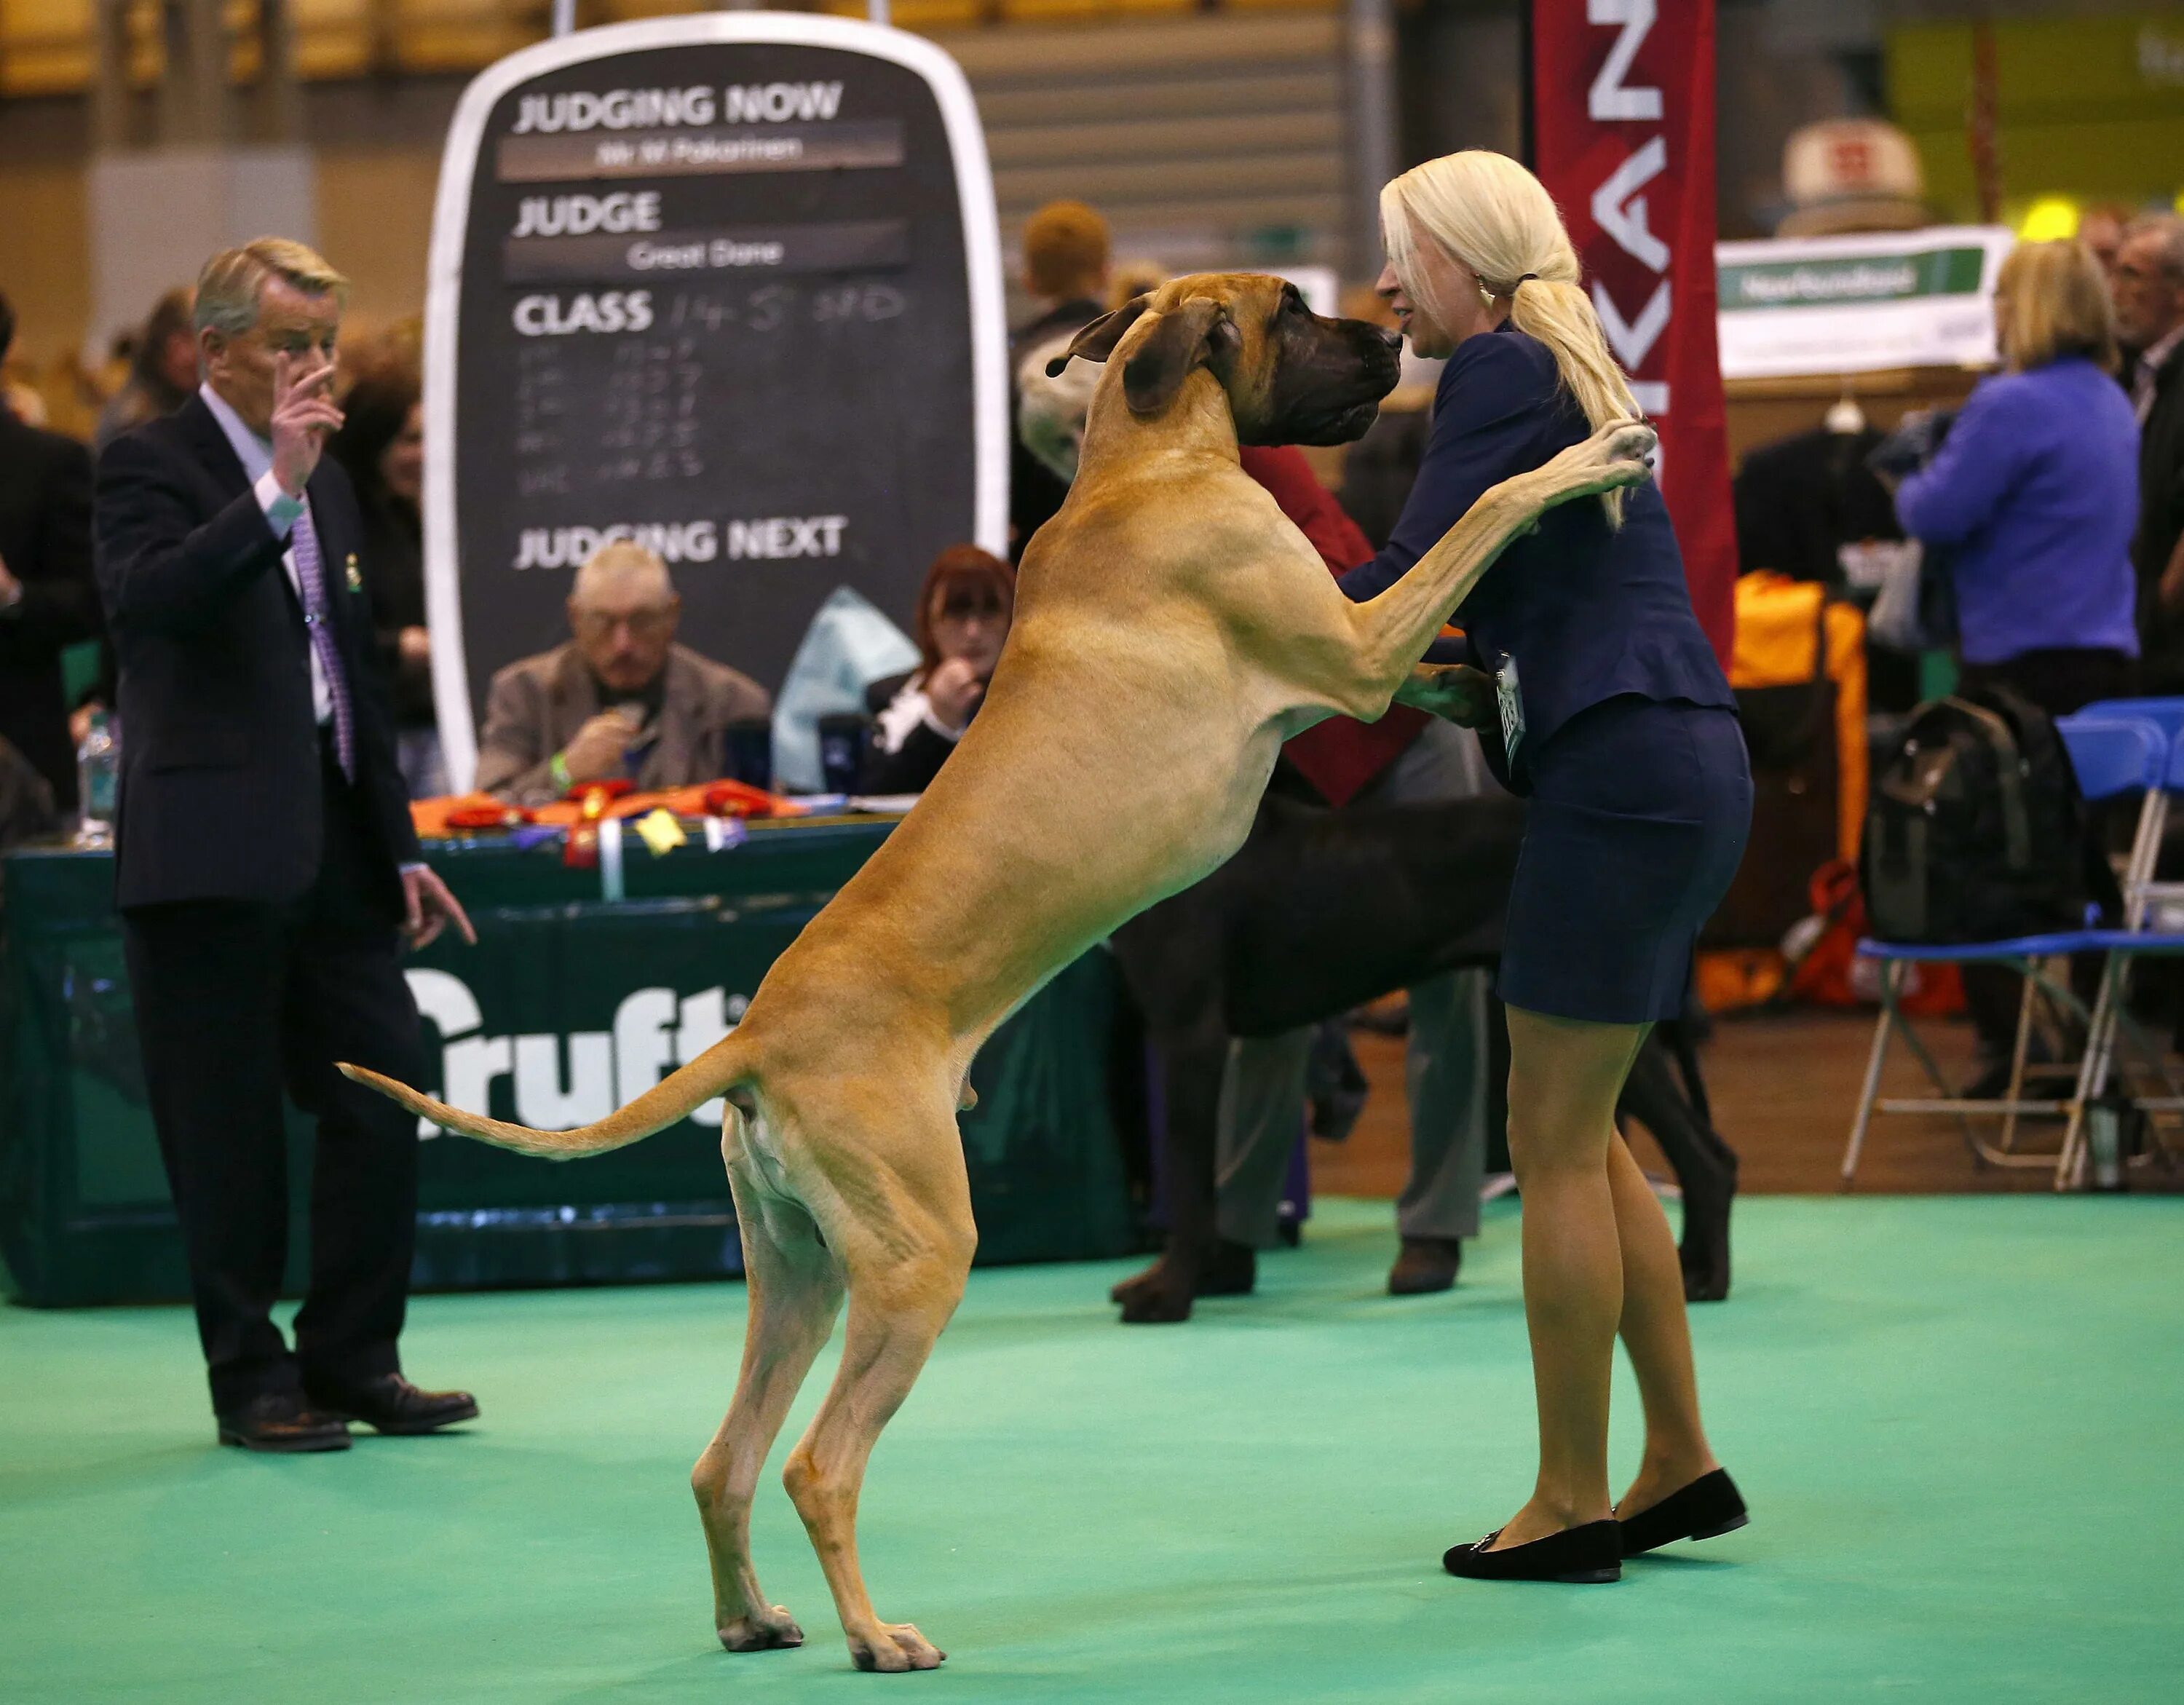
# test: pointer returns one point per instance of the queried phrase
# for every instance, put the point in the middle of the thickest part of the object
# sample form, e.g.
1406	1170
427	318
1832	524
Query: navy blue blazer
1588	612
219	796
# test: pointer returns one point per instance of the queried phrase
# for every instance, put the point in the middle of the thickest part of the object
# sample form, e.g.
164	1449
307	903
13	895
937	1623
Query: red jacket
1341	755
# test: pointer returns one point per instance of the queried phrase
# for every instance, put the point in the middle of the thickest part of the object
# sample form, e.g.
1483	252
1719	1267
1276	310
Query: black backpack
1976	830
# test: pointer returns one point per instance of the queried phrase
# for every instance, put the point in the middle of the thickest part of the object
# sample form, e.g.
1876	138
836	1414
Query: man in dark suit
266	867
2148	281
47	599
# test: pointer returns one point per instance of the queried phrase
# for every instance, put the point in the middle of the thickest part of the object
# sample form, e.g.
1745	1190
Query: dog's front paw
893	1647
1456	691
766	1631
1613	457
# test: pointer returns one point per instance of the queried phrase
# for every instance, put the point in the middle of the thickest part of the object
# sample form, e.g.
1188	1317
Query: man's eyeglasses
643	624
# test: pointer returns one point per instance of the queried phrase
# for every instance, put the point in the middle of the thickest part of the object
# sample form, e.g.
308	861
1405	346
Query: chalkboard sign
727	284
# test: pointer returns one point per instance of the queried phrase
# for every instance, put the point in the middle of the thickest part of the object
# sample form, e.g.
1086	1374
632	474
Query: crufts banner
1623	110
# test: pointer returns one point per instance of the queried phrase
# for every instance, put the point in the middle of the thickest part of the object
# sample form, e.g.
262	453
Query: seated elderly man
621	700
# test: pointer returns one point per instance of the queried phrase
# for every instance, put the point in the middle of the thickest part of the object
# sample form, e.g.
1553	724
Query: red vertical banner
1623	122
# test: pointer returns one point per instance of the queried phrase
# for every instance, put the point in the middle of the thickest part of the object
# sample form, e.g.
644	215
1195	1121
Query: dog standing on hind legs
1170	591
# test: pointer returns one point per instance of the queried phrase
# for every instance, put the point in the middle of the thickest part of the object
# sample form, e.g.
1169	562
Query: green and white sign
1857	305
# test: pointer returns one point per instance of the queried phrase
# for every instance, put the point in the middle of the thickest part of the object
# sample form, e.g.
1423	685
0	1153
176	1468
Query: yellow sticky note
659	830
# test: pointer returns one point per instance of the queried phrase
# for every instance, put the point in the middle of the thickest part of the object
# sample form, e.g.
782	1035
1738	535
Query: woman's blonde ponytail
1493	217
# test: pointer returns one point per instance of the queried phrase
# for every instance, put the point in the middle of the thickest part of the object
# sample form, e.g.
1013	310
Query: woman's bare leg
1657	1333
1564	1077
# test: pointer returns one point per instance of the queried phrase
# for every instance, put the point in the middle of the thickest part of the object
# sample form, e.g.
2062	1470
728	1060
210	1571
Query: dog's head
1293	377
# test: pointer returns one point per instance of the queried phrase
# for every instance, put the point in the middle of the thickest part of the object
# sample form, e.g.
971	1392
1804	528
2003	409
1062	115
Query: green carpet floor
1957	1421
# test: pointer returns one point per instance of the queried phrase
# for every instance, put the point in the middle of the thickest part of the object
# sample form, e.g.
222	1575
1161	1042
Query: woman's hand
1455	692
953	690
415	645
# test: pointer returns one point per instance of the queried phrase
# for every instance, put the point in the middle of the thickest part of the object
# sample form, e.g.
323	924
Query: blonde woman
2035	491
1615	719
2034	495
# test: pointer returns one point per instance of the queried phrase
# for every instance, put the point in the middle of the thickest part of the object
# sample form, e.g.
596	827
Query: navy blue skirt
1639	817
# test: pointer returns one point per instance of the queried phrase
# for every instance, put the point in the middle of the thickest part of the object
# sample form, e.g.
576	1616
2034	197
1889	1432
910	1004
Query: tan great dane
1172	630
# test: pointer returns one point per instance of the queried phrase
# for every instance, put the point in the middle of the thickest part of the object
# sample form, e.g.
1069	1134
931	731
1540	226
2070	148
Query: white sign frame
1868	337
982	246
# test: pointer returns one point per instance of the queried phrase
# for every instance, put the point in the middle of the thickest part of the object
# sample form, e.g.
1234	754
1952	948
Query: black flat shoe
1709	1506
1580	1555
391	1404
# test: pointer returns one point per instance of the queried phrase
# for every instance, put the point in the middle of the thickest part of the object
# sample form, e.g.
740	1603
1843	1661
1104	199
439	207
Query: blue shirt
282	510
1587	612
2036	490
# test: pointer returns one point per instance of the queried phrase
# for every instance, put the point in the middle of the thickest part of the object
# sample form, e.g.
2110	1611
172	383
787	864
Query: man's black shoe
1424	1266
283	1421
391	1404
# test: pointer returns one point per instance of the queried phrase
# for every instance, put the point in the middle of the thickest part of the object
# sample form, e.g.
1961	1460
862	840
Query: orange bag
1831	974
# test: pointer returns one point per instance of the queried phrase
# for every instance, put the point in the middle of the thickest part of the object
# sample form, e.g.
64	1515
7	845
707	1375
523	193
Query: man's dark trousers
236	1000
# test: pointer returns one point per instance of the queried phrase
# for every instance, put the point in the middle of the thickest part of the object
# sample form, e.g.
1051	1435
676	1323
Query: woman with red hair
963	615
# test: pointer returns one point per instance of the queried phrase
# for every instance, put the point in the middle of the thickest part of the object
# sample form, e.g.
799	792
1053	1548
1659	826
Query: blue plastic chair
2112	756
2168	715
2141	937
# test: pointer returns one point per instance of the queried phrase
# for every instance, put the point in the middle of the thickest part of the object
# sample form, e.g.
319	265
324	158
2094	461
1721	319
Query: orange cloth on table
430	816
1776	621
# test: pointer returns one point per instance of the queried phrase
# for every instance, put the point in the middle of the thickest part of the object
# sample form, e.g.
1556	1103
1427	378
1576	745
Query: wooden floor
1784	1088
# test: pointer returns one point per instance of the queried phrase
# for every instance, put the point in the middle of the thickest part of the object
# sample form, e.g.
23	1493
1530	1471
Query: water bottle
97	772
2105	1141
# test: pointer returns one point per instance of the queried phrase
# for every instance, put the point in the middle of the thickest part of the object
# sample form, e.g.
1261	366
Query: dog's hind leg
795	1290
1704	1165
905	1236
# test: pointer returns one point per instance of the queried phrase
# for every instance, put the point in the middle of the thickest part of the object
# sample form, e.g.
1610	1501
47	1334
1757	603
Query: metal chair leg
2018	1049
1891	979
2092	1073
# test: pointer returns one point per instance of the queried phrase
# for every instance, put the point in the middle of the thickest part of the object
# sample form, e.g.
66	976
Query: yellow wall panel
46	264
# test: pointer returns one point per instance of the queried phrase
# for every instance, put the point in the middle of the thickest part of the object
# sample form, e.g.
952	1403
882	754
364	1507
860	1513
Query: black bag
1976	830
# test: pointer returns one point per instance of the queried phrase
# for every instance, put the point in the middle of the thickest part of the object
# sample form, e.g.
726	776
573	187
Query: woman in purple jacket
2035	491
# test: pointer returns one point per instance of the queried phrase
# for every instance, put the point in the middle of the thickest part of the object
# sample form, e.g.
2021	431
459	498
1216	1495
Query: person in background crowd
2035	489
2148	281
963	613
619	701
382	444
1140	276
162	370
2100	229
2036	492
1407	758
1067	268
266	869
48	600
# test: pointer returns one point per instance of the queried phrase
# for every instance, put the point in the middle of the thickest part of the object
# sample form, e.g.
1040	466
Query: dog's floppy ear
1199	329
1097	341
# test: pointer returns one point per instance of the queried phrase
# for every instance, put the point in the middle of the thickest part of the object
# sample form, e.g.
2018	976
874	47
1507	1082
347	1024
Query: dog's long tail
727	1063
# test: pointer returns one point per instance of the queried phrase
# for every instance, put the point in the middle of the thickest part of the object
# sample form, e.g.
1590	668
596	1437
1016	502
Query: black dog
1322	911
